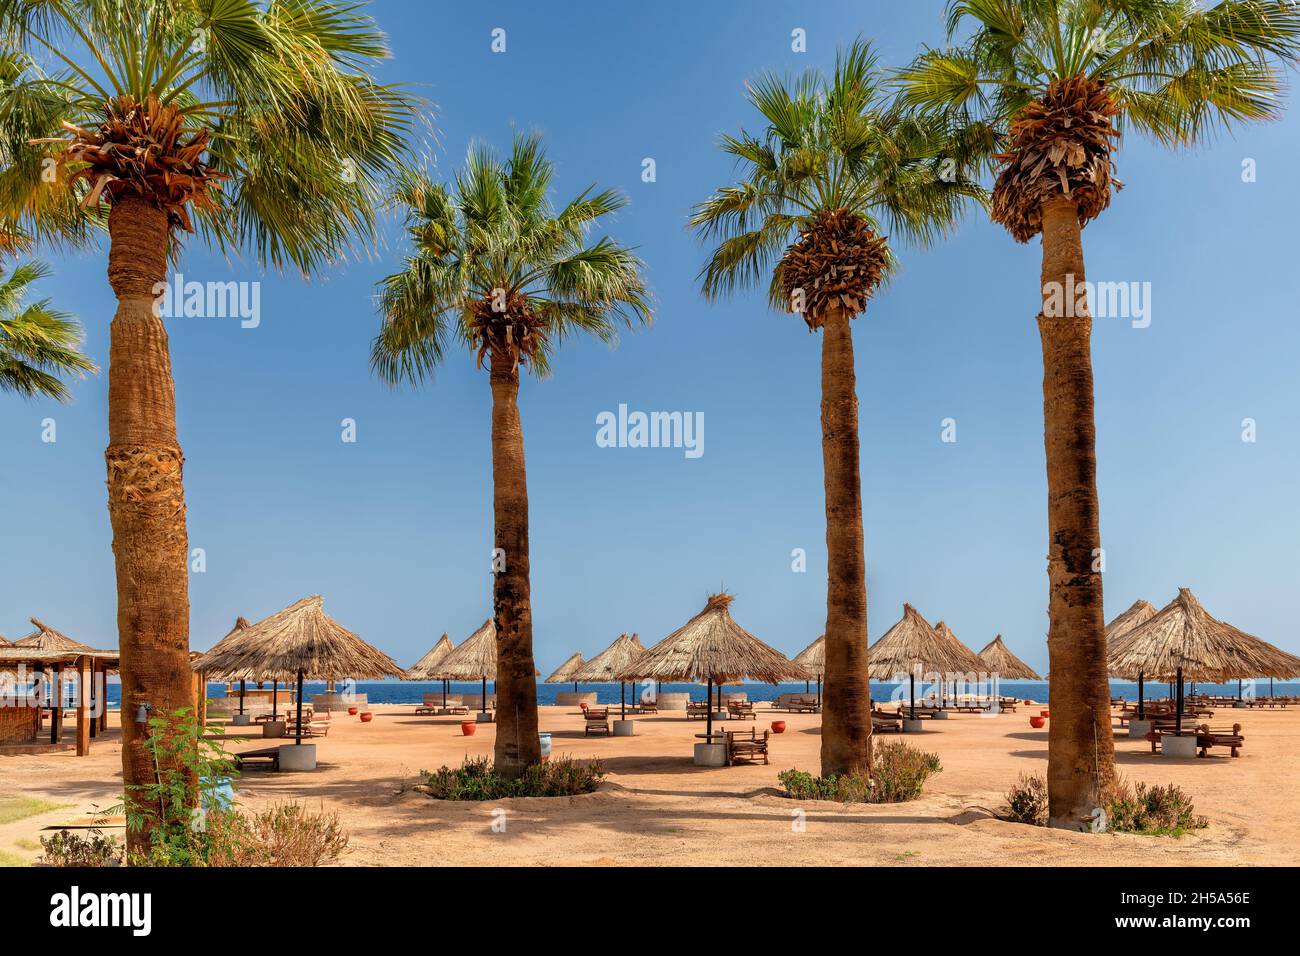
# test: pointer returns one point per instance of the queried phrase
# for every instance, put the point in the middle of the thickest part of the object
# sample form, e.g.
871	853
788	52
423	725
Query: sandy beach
656	808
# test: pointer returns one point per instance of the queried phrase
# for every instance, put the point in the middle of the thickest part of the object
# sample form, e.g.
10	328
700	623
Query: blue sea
412	692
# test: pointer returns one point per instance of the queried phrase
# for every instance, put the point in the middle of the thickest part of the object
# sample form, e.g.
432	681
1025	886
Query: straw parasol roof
46	638
1124	624
1184	635
712	646
612	661
997	657
913	643
475	658
428	667
301	638
813	658
567	671
973	663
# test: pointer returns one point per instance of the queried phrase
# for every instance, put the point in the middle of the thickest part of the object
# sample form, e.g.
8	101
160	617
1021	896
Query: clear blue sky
396	529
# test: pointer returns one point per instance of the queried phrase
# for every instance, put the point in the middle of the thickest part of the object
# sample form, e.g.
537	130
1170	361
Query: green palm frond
284	90
38	344
1180	71
831	142
494	228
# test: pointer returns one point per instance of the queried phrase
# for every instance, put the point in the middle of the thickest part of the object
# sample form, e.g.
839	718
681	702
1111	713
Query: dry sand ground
656	808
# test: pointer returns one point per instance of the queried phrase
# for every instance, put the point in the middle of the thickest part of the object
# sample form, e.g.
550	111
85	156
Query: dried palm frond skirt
837	263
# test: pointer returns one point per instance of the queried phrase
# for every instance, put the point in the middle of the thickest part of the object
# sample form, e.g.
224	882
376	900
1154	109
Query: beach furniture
698	709
882	722
1006	704
646	707
746	745
270	757
740	709
1206	737
595	721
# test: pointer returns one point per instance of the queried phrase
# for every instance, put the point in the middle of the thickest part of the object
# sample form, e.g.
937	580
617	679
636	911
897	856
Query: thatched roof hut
567	671
46	638
1124	624
709	648
429	667
299	643
712	647
605	667
1184	640
997	657
912	644
812	659
475	658
974	663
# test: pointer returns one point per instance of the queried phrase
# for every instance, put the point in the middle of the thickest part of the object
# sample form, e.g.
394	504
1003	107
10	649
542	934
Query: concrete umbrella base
241	720
911	726
298	757
710	755
1140	728
1184	746
625	728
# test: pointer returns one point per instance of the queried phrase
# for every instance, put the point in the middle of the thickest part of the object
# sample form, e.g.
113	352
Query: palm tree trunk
517	744
146	502
1081	749
846	715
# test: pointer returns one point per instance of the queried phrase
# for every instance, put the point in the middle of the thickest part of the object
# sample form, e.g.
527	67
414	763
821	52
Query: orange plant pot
1045	713
778	726
468	727
352	711
367	717
1037	722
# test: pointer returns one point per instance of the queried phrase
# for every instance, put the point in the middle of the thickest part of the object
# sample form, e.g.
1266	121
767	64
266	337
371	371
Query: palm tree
252	126
1053	84
834	167
494	268
38	343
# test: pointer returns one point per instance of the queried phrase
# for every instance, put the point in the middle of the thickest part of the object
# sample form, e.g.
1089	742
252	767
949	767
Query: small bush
477	779
72	849
1027	801
898	774
1152	810
284	835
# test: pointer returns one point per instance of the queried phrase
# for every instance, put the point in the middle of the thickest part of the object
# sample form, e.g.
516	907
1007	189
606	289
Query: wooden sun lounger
746	745
697	709
1008	704
739	710
803	705
595	721
886	724
252	758
646	707
1206	737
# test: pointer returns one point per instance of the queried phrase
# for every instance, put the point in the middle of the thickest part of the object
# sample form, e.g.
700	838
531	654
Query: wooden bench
595	721
252	758
886	723
1206	737
740	710
697	709
646	707
1008	704
746	745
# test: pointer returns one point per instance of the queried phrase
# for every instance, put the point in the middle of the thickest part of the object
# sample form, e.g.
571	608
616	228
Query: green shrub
1152	810
284	835
72	849
477	779
1027	801
898	774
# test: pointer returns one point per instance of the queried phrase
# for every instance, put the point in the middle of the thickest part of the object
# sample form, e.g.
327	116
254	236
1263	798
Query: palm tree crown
255	125
1055	82
37	343
834	151
495	267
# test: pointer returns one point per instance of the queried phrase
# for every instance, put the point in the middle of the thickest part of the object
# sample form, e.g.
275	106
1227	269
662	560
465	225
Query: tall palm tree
1053	84
38	343
252	126
495	269
835	166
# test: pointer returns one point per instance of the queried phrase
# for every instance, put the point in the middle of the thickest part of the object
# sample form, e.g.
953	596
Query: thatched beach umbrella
46	638
997	657
1182	640
712	647
475	658
1118	632
301	642
912	645
605	667
241	626
974	663
813	661
567	671
428	667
